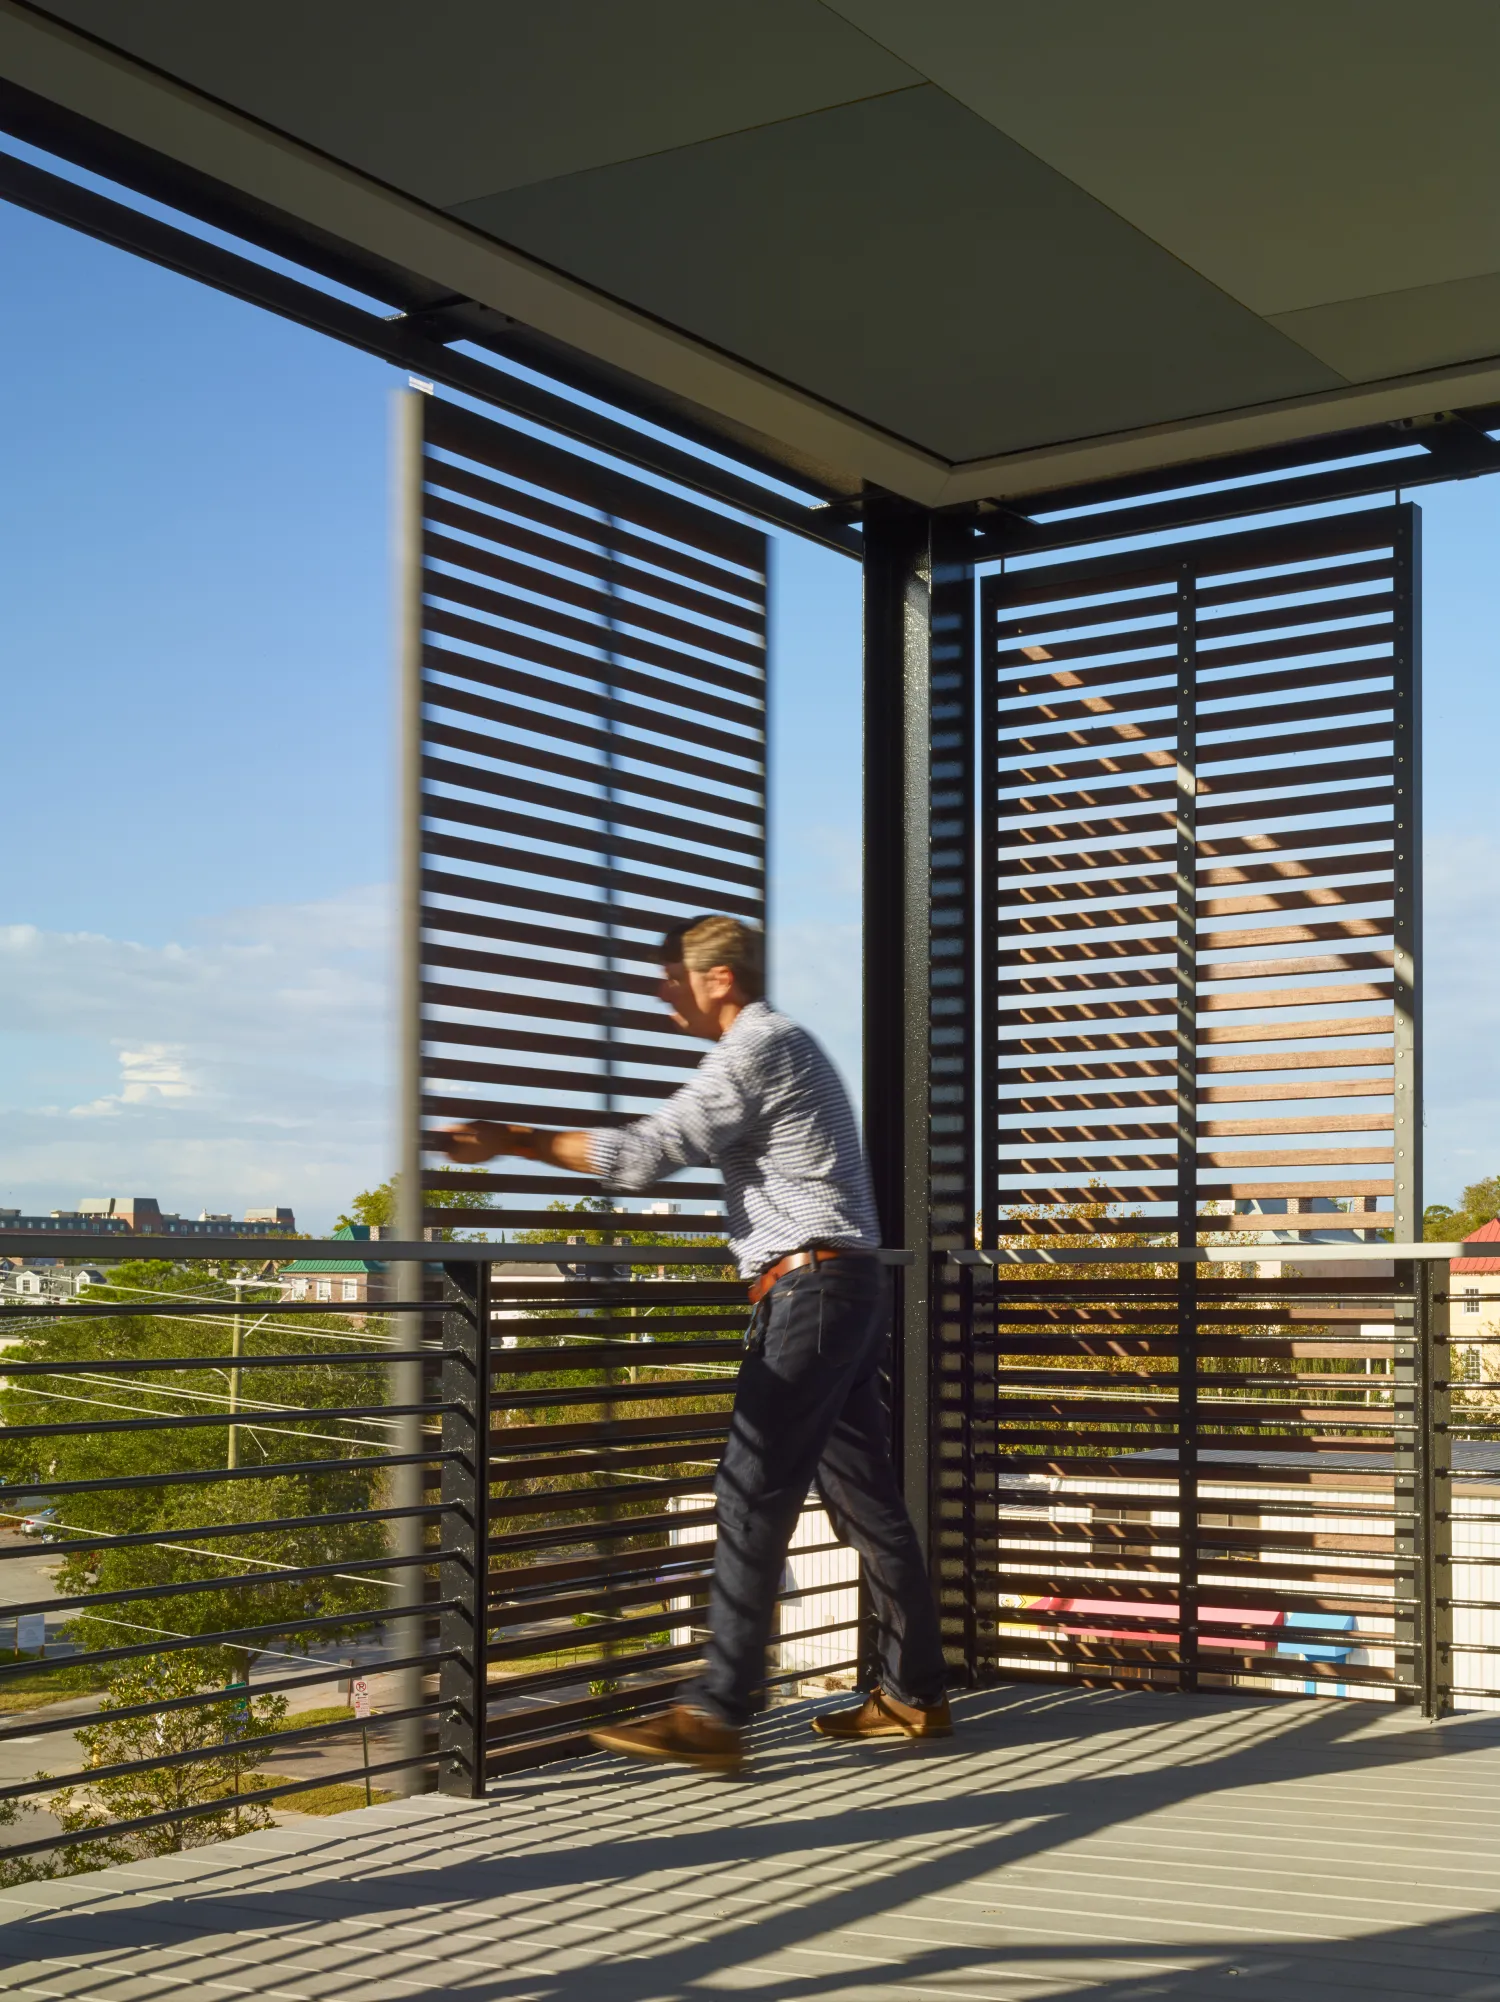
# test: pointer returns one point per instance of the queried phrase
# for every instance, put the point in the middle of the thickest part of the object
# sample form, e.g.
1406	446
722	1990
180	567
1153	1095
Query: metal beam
403	341
1454	446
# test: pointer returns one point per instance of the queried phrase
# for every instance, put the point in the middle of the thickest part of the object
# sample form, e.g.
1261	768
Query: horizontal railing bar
1218	1254
144	1538
82	1244
180	1305
335	1671
580	1639
321	1358
232	1637
290	1574
530	1681
246	1416
606	1393
196	1754
114	1830
198	1476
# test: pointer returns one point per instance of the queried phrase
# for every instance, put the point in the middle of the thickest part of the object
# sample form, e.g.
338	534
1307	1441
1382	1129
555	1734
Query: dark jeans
808	1410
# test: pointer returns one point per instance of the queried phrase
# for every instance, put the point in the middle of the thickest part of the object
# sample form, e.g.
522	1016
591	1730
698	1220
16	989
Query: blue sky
194	617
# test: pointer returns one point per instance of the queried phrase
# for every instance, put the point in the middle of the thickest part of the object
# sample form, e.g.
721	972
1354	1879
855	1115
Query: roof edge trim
1158	448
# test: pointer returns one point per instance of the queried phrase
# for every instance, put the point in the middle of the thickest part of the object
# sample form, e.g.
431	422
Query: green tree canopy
280	1425
377	1207
1479	1205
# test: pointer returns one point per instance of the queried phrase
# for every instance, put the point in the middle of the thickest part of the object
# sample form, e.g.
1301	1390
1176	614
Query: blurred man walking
767	1107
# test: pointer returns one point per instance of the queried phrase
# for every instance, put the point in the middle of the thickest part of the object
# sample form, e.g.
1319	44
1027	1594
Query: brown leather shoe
689	1736
881	1716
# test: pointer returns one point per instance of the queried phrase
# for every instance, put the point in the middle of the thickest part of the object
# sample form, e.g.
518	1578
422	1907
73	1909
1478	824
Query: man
767	1106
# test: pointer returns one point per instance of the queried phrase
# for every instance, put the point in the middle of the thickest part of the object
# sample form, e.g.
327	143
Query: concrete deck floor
1067	1844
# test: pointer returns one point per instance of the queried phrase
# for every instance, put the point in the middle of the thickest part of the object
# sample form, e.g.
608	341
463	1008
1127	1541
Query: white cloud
250	1065
153	1075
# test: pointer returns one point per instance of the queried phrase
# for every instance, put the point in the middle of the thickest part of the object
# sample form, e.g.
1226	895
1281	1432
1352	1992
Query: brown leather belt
794	1261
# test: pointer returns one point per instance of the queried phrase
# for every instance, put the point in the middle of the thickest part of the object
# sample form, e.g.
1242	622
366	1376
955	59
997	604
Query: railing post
464	1628
1409	1541
1435	1484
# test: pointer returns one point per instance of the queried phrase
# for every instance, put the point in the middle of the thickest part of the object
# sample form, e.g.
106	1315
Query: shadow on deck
1067	1844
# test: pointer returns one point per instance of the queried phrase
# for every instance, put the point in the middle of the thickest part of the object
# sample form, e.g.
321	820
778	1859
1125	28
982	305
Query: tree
1479	1205
219	1776
377	1207
325	1488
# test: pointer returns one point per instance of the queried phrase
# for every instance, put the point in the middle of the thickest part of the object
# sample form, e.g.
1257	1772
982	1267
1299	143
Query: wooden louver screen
594	681
1201	904
1198	1021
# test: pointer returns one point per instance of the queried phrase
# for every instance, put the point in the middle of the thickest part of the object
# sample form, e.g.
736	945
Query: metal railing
550	1572
1161	1473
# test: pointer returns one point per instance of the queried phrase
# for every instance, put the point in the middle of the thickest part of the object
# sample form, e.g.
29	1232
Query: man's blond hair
702	943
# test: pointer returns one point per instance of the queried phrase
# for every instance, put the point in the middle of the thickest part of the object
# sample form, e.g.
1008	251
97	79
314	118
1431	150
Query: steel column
407	1281
897	939
466	1504
918	917
1185	1092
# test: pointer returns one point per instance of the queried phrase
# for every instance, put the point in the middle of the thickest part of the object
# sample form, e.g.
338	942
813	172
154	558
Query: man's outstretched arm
485	1139
693	1126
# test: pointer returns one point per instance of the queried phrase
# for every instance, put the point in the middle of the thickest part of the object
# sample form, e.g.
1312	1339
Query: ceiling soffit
1295	152
1381	330
460	98
902	259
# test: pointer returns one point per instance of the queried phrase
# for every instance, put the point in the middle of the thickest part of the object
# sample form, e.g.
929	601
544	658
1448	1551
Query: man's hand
484	1139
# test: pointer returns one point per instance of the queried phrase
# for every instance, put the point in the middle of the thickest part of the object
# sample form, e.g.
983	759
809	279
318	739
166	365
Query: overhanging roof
957	248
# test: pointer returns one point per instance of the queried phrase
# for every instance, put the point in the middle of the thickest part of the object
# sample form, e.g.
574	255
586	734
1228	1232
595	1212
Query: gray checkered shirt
769	1109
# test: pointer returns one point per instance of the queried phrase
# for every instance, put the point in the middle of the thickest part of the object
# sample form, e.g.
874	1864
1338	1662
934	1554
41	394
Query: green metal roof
357	1231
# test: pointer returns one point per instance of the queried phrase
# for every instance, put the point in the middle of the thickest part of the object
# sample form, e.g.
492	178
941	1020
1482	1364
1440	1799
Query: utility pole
236	1355
236	1350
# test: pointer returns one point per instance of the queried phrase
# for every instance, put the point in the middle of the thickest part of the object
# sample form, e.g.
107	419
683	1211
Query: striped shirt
769	1109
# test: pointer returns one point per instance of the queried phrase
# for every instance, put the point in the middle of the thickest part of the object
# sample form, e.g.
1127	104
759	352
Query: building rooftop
356	1232
1490	1234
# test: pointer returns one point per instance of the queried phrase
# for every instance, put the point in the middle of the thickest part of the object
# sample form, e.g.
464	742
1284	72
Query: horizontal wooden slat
557	470
606	599
593	549
696	828
481	890
648	712
727	804
1297	1157
554	521
523	721
439	810
1354	862
1298	997
625	650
